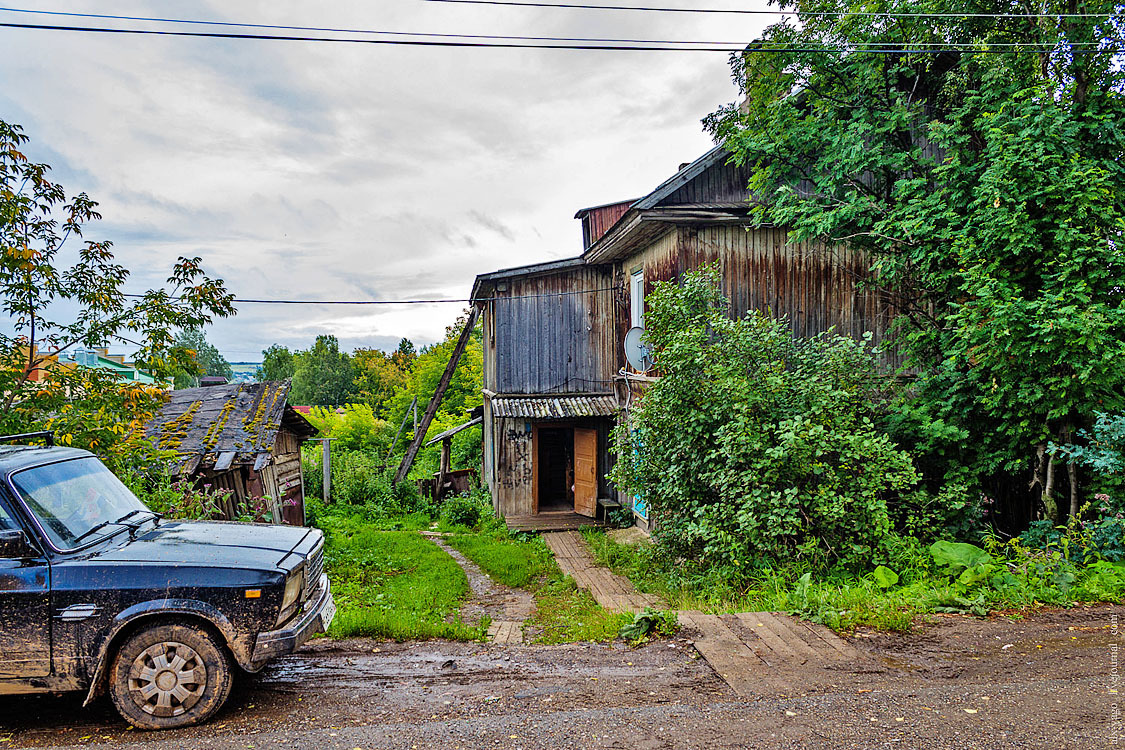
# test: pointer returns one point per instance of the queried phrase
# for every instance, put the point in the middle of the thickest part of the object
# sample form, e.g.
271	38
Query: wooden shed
242	437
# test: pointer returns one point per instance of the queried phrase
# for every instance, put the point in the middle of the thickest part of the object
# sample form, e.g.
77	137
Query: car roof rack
46	435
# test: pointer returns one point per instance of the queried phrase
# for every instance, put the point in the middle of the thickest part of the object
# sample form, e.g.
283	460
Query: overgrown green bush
353	428
460	510
361	484
753	444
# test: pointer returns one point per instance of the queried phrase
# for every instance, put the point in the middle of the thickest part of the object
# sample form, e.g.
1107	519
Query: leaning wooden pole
431	410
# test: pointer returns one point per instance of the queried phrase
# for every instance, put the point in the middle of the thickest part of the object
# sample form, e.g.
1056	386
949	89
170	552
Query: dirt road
956	682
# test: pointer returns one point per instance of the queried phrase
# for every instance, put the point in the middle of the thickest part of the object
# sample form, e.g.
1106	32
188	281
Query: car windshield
77	502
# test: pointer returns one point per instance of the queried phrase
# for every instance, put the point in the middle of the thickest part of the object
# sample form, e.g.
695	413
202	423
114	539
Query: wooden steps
561	521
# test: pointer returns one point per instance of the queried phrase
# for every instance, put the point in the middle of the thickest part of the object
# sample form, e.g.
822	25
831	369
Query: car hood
226	544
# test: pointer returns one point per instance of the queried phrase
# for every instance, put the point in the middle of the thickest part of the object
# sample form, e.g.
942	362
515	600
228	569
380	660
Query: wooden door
586	472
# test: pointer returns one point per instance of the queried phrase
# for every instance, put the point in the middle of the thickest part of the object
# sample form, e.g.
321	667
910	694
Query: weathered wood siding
512	471
720	184
814	286
513	490
553	333
597	221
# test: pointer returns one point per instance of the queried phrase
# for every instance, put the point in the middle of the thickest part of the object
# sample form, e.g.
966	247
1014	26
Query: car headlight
294	586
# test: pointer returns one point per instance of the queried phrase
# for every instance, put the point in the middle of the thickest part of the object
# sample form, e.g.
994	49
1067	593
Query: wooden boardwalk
549	522
752	651
610	590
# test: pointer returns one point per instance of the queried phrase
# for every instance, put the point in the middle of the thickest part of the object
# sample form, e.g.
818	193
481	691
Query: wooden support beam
431	410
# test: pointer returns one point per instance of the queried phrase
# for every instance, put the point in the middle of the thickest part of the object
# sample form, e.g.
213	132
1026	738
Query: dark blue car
99	594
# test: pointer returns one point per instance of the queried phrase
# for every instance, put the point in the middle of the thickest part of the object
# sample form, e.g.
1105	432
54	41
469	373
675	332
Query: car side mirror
14	544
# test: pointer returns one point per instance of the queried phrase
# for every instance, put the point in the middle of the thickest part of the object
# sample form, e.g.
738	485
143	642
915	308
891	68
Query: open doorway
566	470
555	461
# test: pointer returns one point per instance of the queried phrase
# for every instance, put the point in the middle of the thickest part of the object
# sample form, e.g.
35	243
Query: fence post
326	462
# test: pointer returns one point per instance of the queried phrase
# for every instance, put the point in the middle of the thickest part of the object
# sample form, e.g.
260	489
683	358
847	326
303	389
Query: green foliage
460	510
206	359
394	584
277	364
1020	578
985	190
377	377
355	428
646	623
885	577
323	375
954	558
362	485
87	407
753	444
463	394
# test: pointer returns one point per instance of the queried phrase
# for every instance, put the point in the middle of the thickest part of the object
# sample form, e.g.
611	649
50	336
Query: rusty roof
555	407
237	422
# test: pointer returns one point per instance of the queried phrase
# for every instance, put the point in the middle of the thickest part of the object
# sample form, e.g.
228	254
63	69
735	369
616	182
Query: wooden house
242	437
554	332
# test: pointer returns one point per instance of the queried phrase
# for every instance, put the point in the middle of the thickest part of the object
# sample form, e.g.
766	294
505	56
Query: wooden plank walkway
753	652
561	521
505	631
610	590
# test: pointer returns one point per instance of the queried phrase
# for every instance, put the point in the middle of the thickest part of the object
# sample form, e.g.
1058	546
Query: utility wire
766	12
882	48
277	27
401	301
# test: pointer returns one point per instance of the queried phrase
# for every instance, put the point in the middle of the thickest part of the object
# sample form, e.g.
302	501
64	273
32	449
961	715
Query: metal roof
554	407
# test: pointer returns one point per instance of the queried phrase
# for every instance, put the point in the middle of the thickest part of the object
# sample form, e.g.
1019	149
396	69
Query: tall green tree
56	301
377	376
323	375
980	164
277	364
206	359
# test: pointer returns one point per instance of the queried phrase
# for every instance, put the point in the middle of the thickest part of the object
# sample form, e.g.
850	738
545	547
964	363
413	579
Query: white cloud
300	170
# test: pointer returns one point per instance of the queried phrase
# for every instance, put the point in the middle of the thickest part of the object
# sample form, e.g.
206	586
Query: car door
25	618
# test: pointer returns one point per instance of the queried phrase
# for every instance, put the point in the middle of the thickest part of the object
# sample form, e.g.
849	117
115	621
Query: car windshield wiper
119	522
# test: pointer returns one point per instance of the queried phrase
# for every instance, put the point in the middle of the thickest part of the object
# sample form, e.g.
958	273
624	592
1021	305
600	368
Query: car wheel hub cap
167	679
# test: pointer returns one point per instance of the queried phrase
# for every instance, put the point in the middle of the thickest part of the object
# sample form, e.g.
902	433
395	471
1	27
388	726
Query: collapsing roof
217	426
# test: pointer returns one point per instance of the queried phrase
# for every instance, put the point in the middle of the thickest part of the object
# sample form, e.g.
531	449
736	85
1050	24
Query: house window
637	298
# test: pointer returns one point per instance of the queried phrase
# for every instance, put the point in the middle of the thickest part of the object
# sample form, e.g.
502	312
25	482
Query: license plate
327	614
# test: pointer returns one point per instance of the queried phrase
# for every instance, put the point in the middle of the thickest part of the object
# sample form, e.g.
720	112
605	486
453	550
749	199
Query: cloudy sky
342	171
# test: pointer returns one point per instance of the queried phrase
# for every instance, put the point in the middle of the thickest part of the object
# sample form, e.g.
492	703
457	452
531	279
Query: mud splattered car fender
241	645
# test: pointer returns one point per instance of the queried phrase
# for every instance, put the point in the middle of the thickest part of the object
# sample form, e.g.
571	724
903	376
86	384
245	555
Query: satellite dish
636	350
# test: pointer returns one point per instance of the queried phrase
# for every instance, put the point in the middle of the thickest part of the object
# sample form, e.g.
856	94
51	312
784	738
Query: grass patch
564	614
394	584
512	562
844	600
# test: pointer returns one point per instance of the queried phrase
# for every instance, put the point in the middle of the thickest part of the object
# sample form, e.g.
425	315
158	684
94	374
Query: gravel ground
955	682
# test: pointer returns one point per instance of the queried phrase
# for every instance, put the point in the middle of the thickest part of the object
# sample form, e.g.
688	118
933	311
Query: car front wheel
170	675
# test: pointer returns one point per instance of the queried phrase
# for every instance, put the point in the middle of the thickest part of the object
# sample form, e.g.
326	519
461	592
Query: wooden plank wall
814	286
564	341
512	490
512	442
720	183
599	220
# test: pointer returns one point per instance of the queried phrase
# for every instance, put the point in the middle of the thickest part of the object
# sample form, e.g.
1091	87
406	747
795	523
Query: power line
277	27
402	301
766	12
882	48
